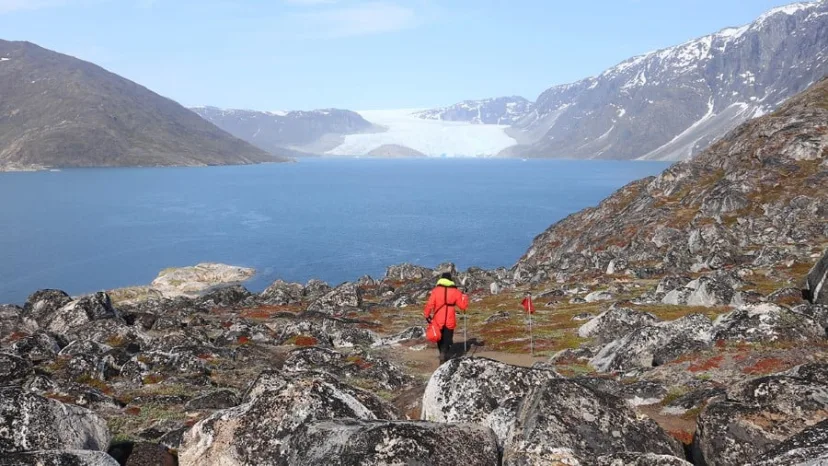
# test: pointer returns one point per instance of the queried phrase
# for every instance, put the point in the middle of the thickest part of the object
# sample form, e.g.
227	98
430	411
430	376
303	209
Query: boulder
615	323
816	283
709	292
314	289
480	391
595	296
29	422
654	345
218	399
765	322
58	458
37	348
409	334
81	311
14	323
378	373
694	399
640	459
809	447
378	443
673	282
638	393
407	272
41	305
281	293
227	297
755	416
343	298
564	415
277	406
13	369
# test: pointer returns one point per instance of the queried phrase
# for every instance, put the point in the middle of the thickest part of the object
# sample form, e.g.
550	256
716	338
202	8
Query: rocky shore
699	337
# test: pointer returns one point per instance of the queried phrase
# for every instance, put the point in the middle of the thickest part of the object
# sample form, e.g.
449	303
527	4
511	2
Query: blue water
90	229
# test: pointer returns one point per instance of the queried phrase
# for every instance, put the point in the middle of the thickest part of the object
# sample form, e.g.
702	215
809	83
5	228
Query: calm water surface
90	229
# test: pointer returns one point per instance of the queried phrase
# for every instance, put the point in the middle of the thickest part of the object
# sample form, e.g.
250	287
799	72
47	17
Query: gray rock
640	459
409	334
807	448
564	415
42	304
654	345
81	311
816	283
227	297
377	443
596	296
13	369
480	391
757	415
497	317
58	458
614	323
765	322
345	297
281	293
638	393
709	292
360	365
692	400
276	407
219	399
407	272
30	422
14	323
673	282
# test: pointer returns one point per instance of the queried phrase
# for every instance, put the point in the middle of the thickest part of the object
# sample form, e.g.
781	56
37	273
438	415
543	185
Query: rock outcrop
816	283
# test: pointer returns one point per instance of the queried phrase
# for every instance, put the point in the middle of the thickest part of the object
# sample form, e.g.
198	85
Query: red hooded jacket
445	297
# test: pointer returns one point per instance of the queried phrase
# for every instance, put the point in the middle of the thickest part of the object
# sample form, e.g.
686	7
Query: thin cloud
311	2
10	6
358	20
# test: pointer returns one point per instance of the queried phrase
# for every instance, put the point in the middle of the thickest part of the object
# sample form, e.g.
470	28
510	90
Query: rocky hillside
672	103
497	111
311	132
758	197
58	111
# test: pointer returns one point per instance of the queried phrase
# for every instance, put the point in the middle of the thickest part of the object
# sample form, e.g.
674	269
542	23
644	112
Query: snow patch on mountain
432	137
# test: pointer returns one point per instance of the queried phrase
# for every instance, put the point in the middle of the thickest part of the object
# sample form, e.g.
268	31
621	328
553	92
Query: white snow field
434	138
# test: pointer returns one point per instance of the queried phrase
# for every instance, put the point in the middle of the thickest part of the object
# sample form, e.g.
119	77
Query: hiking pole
465	335
531	334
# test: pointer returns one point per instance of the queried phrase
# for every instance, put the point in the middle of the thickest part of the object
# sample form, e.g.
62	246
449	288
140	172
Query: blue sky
361	54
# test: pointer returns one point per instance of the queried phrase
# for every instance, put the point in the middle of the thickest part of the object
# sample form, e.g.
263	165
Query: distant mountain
304	131
672	103
58	111
497	111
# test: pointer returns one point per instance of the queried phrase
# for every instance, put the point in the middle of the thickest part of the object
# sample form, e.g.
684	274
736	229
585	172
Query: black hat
446	275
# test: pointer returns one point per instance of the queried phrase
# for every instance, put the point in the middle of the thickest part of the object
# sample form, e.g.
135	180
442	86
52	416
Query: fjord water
84	230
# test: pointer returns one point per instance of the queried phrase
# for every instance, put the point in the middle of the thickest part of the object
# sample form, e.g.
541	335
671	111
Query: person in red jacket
440	308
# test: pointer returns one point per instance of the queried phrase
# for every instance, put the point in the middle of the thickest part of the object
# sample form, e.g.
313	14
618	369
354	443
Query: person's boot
443	357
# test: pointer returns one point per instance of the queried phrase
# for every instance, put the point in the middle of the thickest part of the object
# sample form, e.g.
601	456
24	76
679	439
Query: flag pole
531	334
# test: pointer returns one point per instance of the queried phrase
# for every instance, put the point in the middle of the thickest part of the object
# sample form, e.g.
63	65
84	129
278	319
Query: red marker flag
527	305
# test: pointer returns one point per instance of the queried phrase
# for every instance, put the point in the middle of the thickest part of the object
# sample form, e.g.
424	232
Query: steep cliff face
758	196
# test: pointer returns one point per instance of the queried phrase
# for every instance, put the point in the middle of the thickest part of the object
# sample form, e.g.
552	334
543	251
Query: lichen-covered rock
765	322
816	283
407	272
694	399
29	422
480	391
37	348
81	311
379	443
563	414
615	323
757	415
218	399
640	459
673	282
13	369
14	323
281	293
638	393
345	297
807	448
361	365
312	333
409	334
654	345
600	295
191	281
58	458
277	406
41	305
227	296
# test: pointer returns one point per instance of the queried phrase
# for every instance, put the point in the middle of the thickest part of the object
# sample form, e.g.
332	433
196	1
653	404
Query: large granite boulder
480	391
13	369
764	323
37	347
281	293
379	443
29	422
58	458
343	298
407	272
615	323
809	447
14	323
194	280
278	405
565	416
655	345
372	370
41	305
79	312
816	283
755	416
